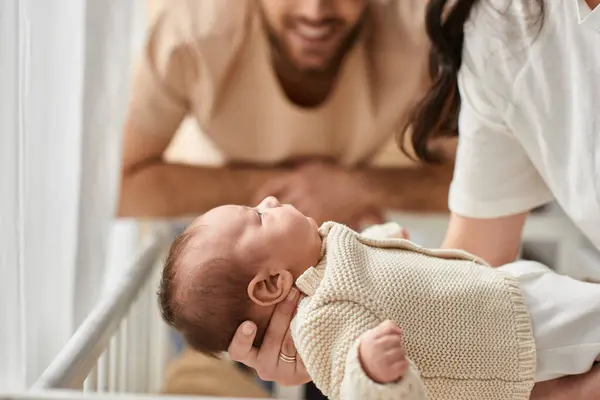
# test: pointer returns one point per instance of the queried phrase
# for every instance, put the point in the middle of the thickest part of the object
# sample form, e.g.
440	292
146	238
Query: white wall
64	73
11	347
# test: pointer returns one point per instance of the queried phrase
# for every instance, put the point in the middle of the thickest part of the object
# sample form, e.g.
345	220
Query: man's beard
281	52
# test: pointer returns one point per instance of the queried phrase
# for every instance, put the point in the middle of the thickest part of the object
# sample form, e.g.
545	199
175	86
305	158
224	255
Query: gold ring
287	359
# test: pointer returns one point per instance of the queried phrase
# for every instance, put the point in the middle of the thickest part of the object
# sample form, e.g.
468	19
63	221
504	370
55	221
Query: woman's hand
576	387
277	359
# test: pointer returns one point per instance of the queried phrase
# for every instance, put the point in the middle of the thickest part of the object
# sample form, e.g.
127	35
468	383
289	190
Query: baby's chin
313	223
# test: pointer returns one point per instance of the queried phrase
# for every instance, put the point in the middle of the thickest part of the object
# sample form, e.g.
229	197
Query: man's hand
381	353
325	192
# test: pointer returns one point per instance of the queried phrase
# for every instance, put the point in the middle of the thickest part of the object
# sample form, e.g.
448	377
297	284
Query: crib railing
122	344
73	395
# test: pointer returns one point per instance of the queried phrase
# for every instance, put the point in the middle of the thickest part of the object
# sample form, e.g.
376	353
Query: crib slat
144	359
102	384
123	355
133	348
90	383
157	345
113	363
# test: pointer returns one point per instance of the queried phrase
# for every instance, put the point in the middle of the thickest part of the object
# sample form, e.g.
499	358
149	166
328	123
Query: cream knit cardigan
467	330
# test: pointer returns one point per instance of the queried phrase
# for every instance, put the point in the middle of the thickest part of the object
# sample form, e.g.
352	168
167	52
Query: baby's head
235	264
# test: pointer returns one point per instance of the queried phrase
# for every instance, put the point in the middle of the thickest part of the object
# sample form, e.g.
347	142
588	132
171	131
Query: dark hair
208	305
437	114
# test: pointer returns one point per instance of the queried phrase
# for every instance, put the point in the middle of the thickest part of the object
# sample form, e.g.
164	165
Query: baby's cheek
252	249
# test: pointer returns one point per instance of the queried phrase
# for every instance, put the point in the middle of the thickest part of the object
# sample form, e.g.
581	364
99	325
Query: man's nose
316	10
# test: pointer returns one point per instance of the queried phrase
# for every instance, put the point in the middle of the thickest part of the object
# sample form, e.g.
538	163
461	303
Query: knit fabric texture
466	327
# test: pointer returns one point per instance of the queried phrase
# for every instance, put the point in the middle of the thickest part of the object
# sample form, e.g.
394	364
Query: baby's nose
270	202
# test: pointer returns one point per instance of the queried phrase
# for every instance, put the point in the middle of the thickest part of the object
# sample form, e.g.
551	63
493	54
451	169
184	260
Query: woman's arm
496	240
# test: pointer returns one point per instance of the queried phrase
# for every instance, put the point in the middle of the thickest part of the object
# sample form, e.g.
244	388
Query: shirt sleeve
159	97
493	175
328	343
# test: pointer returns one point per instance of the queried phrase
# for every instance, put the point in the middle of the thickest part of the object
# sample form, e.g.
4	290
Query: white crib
121	348
122	345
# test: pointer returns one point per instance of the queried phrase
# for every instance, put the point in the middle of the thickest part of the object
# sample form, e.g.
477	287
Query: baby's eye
259	214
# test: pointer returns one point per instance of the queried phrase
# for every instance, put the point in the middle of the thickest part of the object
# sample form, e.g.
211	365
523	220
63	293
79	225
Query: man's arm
416	189
169	68
151	187
171	190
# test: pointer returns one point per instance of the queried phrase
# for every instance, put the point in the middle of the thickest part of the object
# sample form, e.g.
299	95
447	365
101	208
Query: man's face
312	34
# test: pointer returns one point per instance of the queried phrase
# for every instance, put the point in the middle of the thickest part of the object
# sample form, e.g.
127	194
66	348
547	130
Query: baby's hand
382	354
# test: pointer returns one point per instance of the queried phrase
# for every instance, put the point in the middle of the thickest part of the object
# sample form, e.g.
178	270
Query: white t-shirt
530	117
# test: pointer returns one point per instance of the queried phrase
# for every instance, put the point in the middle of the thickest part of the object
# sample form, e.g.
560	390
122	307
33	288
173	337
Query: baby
468	331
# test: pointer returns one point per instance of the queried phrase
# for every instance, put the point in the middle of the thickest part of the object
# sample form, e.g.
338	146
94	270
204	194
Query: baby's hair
206	302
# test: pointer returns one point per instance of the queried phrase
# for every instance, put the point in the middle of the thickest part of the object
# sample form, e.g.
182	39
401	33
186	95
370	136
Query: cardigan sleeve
357	385
328	341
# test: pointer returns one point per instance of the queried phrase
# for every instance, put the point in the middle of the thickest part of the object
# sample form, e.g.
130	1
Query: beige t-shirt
210	59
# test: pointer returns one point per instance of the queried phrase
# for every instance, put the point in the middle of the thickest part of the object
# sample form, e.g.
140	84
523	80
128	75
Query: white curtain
64	75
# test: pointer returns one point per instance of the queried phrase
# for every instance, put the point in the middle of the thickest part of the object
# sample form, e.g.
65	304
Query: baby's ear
269	289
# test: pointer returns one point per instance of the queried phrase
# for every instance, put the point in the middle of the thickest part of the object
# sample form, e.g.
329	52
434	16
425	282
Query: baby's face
271	235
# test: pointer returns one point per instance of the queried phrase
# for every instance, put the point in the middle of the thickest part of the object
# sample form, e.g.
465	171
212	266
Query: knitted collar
310	280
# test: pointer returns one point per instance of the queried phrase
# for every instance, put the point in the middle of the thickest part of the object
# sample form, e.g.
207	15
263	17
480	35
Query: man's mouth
316	33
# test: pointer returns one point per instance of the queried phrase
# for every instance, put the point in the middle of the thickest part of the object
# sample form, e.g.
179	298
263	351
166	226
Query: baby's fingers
388	328
399	368
392	339
395	354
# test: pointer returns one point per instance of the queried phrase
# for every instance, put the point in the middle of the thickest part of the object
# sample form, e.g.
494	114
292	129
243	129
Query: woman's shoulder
498	37
519	20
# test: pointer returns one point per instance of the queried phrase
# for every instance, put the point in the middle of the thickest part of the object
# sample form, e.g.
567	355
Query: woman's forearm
578	387
497	240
